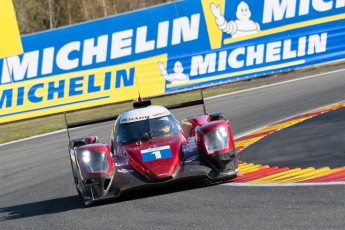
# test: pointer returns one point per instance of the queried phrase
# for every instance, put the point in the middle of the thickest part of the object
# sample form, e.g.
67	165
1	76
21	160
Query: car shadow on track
69	203
158	190
40	208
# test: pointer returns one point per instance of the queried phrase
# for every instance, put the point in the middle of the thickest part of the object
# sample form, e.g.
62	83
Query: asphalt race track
308	148
317	142
37	190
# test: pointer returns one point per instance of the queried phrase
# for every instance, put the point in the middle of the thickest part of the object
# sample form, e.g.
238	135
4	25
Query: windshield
147	129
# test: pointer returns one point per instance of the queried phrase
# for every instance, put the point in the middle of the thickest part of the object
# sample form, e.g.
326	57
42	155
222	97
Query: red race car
150	146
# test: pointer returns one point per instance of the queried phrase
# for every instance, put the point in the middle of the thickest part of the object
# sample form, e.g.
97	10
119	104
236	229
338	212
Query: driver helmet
161	125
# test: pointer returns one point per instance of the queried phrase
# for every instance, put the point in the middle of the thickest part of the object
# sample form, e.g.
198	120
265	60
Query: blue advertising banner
169	48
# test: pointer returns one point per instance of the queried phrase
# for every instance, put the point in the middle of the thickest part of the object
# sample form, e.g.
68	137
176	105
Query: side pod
93	168
215	139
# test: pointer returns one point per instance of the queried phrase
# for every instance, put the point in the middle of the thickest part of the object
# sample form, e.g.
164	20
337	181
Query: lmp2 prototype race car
150	146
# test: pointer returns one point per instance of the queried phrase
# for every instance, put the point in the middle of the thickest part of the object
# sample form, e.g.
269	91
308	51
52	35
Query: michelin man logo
177	77
242	26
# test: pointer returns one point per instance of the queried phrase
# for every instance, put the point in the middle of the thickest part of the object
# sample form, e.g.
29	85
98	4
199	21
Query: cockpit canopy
148	129
146	123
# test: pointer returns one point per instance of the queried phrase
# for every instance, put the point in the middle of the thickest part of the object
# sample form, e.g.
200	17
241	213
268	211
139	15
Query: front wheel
225	170
87	200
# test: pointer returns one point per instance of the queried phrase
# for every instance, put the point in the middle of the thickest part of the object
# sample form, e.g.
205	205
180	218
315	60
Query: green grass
27	128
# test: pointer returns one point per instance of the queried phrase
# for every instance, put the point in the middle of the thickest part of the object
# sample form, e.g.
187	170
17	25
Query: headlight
95	162
216	140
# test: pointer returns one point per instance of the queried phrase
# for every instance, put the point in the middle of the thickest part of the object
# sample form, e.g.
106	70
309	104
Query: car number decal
153	154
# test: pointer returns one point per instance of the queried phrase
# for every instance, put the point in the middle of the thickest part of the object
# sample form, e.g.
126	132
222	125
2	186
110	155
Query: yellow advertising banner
10	42
214	33
83	89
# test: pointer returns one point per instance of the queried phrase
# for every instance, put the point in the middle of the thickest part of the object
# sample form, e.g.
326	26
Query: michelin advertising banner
174	47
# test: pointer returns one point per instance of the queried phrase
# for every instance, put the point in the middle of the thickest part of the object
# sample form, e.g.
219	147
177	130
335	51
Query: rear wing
188	104
135	104
90	122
